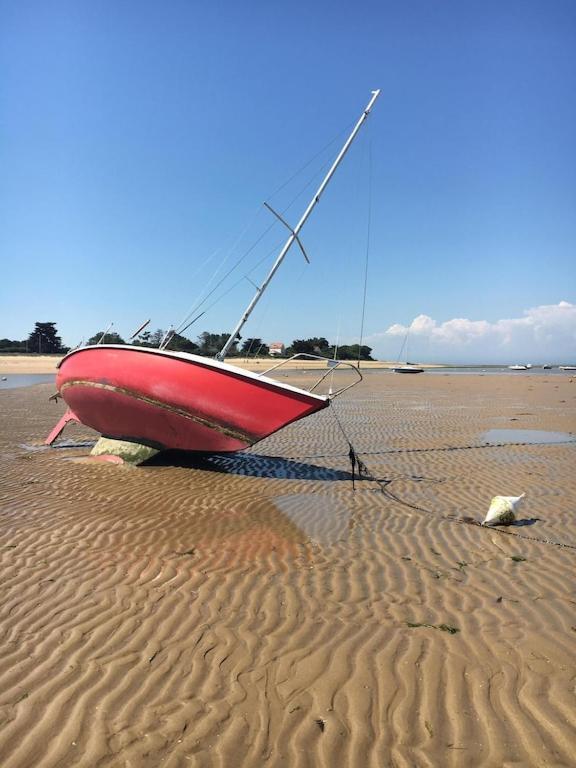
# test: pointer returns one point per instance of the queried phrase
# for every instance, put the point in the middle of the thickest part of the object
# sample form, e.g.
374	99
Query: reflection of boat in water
176	400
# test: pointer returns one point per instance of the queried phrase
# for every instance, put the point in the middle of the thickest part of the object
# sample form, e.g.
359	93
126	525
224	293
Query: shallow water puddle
536	436
12	381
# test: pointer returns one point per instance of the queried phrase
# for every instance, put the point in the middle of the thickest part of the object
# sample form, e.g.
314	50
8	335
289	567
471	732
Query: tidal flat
270	608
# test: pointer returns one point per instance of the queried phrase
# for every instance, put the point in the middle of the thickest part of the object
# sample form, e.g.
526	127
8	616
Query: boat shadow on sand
244	464
249	465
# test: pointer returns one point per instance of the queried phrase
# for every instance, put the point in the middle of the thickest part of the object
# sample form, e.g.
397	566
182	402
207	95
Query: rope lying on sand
475	446
363	470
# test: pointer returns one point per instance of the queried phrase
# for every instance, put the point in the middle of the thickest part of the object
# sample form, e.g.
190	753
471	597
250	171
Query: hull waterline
172	400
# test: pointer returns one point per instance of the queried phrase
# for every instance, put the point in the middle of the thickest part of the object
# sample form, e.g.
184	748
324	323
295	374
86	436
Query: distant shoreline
15	363
30	364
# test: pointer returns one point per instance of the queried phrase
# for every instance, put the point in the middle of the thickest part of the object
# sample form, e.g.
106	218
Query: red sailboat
176	400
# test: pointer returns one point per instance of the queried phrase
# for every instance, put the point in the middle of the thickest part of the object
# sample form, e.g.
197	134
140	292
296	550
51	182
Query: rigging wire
402	347
199	304
308	184
336	138
367	250
185	323
271	252
230	289
267	300
334	357
195	305
260	321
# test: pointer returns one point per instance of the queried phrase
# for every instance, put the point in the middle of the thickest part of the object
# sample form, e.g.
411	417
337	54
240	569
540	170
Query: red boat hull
172	400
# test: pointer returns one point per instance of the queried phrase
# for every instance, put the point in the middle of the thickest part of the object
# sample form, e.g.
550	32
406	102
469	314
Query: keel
123	451
68	416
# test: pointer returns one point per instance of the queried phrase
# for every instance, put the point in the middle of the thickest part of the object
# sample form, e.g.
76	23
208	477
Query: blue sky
138	140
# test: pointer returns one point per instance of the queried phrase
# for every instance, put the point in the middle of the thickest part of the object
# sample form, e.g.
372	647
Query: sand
28	364
257	610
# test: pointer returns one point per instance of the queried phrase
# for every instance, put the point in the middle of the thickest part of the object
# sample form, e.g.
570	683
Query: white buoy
502	509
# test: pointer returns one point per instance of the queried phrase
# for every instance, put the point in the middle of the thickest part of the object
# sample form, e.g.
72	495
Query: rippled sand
256	609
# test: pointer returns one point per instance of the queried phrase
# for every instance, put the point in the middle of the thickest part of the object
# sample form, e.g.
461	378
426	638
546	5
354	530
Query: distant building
276	349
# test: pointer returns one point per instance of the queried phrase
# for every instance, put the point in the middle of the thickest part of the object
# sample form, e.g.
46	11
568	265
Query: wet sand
255	609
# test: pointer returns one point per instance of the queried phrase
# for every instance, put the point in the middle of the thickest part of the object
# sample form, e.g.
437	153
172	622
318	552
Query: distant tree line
321	346
209	344
44	340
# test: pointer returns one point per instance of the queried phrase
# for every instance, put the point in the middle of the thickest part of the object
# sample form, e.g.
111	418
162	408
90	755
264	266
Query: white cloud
547	333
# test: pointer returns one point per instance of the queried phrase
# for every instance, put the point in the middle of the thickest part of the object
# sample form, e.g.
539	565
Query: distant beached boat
518	367
176	400
567	367
408	369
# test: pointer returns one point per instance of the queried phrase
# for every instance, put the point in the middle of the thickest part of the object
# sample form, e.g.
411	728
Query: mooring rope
475	446
363	470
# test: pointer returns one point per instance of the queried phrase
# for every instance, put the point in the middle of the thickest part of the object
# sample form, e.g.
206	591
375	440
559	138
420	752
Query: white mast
294	233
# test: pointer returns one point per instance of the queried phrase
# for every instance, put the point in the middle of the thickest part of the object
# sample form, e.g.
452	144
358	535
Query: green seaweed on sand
441	627
518	559
447	628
